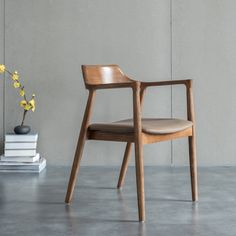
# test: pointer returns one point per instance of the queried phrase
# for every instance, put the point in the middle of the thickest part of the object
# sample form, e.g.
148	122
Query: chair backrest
103	74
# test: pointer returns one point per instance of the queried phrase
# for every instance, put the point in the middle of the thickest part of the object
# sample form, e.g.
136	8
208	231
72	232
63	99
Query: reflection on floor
33	204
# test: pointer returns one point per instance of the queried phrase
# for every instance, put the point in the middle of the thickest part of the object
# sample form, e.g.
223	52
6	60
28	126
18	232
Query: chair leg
140	180
124	166
193	167
80	147
75	169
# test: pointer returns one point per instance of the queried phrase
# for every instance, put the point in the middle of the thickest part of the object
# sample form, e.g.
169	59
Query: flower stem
8	72
21	87
23	120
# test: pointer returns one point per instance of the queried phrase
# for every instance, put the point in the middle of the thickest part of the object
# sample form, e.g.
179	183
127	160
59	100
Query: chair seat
149	125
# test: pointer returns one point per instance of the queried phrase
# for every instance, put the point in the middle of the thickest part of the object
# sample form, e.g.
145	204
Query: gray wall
204	48
1	77
47	41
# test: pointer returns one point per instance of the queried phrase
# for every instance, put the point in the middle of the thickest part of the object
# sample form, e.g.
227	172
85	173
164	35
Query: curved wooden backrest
103	74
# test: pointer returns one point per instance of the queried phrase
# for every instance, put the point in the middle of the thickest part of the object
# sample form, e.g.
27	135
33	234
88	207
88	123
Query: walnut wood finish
110	76
138	146
109	136
147	138
129	137
80	146
192	142
105	76
127	154
125	163
164	83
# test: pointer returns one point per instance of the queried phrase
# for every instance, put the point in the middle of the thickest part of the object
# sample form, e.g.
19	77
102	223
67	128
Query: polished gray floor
32	204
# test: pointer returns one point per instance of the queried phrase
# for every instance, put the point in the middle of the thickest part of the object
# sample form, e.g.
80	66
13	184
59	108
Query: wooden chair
137	130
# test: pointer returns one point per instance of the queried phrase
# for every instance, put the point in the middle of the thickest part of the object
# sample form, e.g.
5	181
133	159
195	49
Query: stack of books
20	154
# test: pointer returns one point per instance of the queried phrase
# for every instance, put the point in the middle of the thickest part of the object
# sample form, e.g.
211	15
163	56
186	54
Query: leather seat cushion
149	125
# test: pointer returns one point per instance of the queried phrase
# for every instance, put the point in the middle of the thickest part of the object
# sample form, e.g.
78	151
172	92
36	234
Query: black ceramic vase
22	129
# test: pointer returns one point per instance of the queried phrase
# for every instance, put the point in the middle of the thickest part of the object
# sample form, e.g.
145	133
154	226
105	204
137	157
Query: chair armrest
189	92
186	82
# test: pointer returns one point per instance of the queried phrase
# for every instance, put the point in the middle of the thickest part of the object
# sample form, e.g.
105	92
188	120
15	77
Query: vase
22	129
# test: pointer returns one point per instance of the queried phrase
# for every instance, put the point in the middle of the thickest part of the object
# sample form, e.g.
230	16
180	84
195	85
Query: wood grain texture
164	83
192	142
101	76
109	136
129	137
138	146
110	76
124	166
80	147
127	154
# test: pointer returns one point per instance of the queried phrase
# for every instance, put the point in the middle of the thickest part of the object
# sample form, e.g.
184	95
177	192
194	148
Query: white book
25	168
21	171
20	145
21	137
20	159
19	153
6	164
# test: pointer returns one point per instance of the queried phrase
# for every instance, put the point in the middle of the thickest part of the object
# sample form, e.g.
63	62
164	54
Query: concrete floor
32	204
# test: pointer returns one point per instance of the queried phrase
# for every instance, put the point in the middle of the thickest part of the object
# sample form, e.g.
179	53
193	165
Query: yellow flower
15	76
23	103
16	84
27	107
32	103
2	68
22	92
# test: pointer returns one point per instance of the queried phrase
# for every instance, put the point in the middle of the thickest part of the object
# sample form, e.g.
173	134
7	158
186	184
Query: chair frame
139	138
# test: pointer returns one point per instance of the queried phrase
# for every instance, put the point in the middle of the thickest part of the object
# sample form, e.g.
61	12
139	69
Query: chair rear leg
193	167
124	166
75	169
140	180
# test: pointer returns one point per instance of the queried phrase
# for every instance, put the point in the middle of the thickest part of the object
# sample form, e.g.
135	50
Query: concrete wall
1	77
204	49
48	40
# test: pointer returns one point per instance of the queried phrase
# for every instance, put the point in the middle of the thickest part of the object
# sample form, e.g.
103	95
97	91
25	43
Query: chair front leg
192	142
193	167
128	149
140	179
80	147
124	167
75	167
138	152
